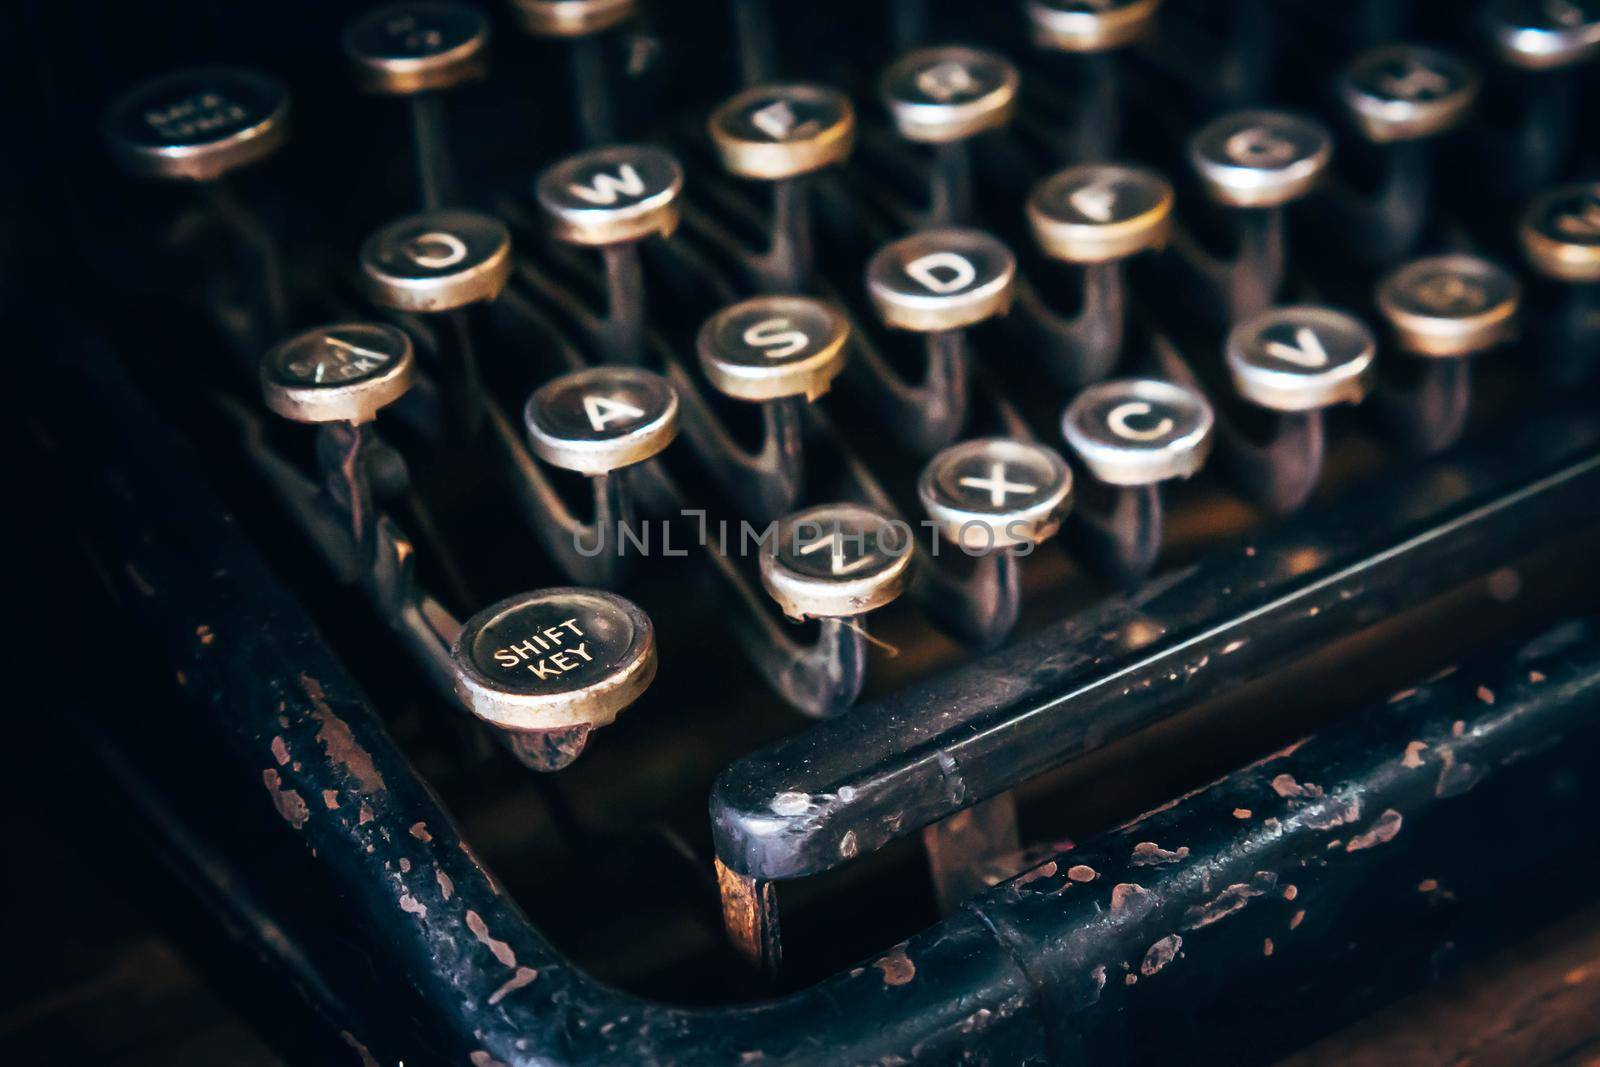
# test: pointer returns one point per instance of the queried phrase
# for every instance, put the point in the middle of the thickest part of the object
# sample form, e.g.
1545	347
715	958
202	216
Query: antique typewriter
595	532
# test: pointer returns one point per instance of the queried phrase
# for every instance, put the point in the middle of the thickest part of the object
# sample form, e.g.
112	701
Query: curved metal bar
950	184
488	984
979	610
1083	349
592	89
1386	225
1122	540
929	415
1282	472
897	765
765	483
1430	414
1248	283
590	553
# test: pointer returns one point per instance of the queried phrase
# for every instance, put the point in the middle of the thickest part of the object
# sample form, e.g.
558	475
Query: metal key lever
442	264
1131	435
1292	362
1087	37
582	23
781	352
416	50
1442	310
936	283
782	135
1560	237
200	126
944	97
1256	162
834	563
1546	43
1400	98
610	199
1093	216
600	422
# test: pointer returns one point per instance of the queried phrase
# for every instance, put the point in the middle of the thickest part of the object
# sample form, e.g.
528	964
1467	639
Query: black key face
613	194
1570	216
773	132
945	94
996	492
1540	34
408	48
841	543
1103	194
1301	358
345	372
785	115
1450	305
1260	158
1451	287
1139	431
996	477
1401	92
556	642
437	260
1089	25
774	346
603	418
1410	75
1544	16
941	279
415	32
198	123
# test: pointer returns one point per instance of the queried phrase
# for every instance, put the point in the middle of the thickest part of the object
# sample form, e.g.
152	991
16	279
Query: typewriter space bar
850	785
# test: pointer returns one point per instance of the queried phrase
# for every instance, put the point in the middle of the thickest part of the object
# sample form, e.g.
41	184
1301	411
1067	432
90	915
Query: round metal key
939	95
996	493
769	347
601	419
1301	358
1452	305
774	132
1544	34
941	279
554	658
198	124
418	47
1260	158
346	372
611	195
1560	233
437	261
835	561
1099	212
572	18
1139	431
1406	93
1089	25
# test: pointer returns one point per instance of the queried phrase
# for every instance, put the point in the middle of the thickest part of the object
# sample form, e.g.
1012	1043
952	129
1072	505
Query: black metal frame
1057	963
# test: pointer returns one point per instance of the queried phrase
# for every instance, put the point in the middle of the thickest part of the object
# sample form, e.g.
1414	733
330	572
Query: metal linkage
418	50
1093	216
1032	970
1560	237
1401	99
1081	116
200	126
583	24
1545	47
1254	163
892	767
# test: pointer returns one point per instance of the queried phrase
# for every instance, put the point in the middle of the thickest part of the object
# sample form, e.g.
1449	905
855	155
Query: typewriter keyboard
770	481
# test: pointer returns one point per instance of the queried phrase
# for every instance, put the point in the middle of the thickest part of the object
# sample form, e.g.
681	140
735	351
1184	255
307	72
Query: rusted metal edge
1079	956
849	785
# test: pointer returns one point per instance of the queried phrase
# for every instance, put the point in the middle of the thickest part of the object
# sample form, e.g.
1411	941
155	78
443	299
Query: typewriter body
595	532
